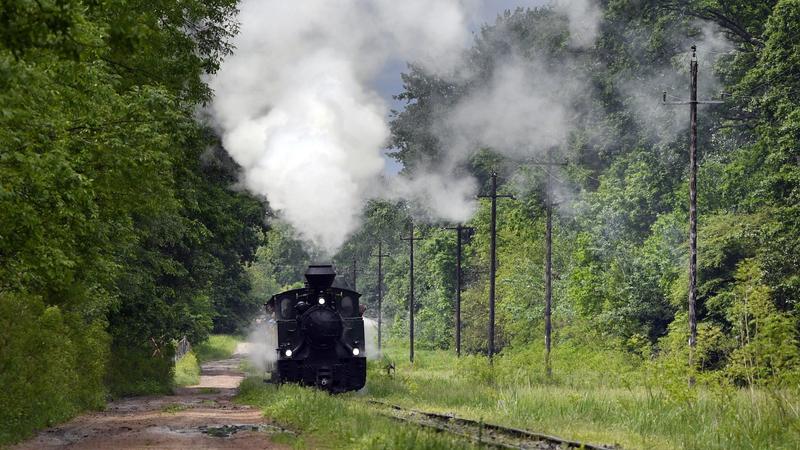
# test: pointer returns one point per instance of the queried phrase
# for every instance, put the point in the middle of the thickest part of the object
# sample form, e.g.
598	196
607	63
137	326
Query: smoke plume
529	104
296	110
371	339
583	17
525	109
262	342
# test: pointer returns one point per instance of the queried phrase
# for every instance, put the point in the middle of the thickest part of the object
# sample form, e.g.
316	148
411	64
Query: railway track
481	433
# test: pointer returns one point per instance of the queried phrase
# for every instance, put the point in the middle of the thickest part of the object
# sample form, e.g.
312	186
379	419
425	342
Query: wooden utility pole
693	102
692	205
548	259
411	240
493	259
380	257
459	239
548	279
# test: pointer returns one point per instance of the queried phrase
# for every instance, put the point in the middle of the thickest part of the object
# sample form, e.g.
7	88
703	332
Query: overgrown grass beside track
187	370
592	397
337	421
217	346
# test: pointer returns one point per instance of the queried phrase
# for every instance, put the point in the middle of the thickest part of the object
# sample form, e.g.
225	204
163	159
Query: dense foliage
119	231
620	235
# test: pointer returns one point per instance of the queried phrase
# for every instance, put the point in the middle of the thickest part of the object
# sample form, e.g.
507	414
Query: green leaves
110	216
620	241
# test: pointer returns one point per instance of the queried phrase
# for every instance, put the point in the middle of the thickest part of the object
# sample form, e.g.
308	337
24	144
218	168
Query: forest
125	225
120	232
620	239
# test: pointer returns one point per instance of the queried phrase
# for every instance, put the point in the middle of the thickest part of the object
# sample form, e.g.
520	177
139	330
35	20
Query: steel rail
483	433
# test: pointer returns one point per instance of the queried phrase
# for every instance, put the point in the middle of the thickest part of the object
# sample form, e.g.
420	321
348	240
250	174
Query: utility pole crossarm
689	102
494	196
539	163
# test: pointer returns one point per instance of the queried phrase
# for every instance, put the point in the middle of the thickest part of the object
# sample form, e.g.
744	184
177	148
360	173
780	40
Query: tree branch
717	16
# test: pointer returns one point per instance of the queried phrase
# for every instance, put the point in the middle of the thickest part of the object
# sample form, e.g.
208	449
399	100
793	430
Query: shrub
187	371
50	365
217	346
140	371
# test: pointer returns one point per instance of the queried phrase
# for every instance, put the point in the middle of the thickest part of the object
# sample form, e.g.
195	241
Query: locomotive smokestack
320	276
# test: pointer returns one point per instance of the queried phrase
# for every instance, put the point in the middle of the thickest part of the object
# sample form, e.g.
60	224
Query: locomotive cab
320	334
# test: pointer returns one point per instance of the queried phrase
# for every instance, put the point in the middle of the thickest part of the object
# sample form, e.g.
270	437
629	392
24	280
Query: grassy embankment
335	421
218	346
598	397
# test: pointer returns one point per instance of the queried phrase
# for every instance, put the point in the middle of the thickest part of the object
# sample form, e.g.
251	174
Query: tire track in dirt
197	417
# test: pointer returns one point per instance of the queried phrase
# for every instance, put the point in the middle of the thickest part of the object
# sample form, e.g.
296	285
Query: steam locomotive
320	333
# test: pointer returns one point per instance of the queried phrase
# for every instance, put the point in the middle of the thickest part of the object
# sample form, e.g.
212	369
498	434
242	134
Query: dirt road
197	417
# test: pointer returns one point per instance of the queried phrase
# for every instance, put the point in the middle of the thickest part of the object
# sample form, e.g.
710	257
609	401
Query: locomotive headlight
356	351
288	353
322	300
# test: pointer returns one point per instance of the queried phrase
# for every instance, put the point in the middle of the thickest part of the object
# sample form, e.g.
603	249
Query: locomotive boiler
320	334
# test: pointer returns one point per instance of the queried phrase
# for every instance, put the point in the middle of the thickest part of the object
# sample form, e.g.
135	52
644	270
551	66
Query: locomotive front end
320	334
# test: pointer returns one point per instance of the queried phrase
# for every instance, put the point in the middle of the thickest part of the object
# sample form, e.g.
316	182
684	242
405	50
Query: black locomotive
320	334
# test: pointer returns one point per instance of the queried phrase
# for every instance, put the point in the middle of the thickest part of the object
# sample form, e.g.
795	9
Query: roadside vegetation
597	396
187	370
600	397
118	231
620	231
216	346
321	420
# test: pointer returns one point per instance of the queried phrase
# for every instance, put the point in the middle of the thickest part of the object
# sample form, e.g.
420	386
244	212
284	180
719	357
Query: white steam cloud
584	17
261	345
371	339
296	111
438	194
523	110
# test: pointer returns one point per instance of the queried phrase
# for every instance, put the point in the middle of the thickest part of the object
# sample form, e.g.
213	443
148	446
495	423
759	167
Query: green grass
174	408
217	346
327	421
593	396
605	401
187	370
